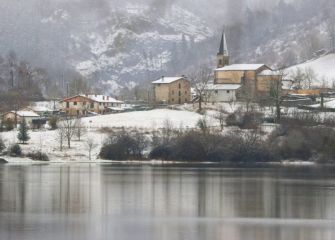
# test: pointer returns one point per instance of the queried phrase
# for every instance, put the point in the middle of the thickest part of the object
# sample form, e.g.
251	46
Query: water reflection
118	202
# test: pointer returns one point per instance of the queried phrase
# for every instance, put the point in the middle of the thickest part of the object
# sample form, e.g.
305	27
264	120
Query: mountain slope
133	46
323	67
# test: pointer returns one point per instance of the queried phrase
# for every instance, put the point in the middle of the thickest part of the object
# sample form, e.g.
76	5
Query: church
253	81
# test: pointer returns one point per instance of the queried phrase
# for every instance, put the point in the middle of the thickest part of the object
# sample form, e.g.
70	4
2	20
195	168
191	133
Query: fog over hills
119	44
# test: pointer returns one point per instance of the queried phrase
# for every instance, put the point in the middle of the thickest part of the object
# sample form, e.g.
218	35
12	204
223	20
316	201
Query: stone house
172	90
18	116
83	105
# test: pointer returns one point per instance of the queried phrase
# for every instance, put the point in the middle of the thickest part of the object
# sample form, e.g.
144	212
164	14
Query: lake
122	202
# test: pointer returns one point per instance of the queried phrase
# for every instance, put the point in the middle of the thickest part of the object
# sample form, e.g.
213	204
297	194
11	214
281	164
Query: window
179	85
75	103
67	105
78	112
185	92
92	105
220	62
179	93
172	92
172	99
216	91
185	99
84	103
228	91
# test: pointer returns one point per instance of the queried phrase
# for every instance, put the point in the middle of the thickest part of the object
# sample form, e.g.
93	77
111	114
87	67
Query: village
212	97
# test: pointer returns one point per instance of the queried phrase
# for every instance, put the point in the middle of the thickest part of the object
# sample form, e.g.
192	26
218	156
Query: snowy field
146	119
47	141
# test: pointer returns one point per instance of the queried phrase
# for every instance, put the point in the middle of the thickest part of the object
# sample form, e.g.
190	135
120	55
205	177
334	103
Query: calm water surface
173	203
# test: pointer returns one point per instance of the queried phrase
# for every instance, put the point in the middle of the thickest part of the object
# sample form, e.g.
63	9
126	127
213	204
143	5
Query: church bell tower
223	55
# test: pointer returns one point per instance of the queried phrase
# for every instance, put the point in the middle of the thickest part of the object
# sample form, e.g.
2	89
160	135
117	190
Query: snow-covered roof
41	109
167	80
116	108
269	72
96	98
241	67
102	99
26	113
223	86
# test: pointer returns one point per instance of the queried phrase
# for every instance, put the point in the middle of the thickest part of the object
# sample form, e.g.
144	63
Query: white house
18	116
221	92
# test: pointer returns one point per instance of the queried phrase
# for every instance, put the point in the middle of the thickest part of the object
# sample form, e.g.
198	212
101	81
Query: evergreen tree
23	135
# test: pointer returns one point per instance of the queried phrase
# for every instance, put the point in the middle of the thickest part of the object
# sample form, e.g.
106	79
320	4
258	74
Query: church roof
223	46
269	72
241	67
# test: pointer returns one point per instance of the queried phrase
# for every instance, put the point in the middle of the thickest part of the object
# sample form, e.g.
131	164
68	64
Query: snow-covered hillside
323	67
133	45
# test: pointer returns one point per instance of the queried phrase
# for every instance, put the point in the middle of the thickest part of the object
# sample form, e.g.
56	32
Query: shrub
162	153
305	143
15	150
9	124
190	147
38	156
53	122
245	120
231	120
124	146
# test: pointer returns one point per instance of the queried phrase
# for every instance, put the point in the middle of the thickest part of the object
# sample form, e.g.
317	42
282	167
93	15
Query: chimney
162	78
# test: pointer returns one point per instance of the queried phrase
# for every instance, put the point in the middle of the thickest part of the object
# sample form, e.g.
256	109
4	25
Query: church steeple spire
223	54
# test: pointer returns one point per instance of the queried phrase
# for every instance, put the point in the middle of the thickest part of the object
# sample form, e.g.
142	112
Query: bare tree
200	80
80	130
276	94
90	146
167	132
299	78
310	76
203	125
69	126
221	116
60	137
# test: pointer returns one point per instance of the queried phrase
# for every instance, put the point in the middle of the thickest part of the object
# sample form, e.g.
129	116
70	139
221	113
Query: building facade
83	105
172	90
221	92
256	80
17	116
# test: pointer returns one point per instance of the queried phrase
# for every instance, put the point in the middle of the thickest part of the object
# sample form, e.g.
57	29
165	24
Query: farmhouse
172	90
17	116
83	105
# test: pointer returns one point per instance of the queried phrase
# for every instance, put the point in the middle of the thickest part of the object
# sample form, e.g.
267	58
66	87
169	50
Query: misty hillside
116	44
323	70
